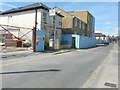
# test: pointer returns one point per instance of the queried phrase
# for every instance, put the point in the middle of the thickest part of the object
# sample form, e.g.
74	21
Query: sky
105	13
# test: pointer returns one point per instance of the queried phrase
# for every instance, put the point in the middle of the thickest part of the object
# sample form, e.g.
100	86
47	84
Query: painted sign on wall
40	34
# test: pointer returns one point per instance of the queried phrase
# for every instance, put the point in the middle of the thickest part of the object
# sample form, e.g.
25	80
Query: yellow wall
81	15
67	20
84	16
68	23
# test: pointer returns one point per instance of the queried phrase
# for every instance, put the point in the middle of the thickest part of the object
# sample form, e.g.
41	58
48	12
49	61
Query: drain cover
110	84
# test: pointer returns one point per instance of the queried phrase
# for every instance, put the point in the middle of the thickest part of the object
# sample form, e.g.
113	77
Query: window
44	17
75	22
79	24
88	17
53	20
88	28
91	20
83	26
60	24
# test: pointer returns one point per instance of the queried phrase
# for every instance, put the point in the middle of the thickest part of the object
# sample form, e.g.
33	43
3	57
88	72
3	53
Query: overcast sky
105	13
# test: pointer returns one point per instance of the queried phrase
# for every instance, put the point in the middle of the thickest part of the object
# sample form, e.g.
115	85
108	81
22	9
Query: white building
20	21
101	38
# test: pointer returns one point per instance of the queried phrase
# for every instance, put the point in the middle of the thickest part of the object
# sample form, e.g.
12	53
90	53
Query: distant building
88	18
101	38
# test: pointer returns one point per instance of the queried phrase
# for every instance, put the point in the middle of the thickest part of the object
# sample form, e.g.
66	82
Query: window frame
45	16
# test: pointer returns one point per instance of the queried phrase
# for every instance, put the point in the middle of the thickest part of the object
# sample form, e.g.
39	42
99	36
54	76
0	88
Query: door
73	42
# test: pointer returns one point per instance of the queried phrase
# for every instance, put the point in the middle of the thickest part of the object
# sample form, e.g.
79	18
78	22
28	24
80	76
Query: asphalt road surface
65	70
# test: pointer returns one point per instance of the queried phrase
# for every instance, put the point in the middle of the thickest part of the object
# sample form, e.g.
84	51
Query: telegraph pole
34	32
54	31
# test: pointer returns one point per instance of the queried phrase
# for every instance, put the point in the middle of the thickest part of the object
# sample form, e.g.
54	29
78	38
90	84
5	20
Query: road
66	70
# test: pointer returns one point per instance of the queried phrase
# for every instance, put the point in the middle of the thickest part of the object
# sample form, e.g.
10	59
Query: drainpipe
34	32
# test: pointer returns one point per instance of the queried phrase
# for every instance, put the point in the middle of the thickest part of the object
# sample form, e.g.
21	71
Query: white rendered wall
24	19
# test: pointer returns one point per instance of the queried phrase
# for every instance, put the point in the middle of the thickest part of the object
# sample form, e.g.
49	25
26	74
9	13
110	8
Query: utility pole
54	32
34	32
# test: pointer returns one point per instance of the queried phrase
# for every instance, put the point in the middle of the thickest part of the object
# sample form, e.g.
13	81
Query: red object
36	43
8	36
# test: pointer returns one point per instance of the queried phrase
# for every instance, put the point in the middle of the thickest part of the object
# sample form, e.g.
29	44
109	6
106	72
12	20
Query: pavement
108	78
106	75
74	69
12	52
4	49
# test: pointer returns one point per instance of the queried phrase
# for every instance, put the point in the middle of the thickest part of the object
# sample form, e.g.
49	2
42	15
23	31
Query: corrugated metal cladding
80	41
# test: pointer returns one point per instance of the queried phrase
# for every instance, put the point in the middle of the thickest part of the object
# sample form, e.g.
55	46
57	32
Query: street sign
52	12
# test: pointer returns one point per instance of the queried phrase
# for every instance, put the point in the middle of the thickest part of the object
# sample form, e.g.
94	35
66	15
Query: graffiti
40	37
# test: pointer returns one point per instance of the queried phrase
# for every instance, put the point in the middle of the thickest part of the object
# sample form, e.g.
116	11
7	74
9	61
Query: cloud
4	4
108	23
115	31
108	27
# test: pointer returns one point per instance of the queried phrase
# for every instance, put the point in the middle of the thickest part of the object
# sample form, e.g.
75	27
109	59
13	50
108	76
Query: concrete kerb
64	51
18	54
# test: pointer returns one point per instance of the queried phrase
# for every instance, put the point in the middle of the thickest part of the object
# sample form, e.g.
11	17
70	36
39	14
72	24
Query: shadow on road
31	71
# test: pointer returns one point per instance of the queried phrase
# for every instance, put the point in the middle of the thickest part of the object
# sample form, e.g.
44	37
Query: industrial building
89	19
77	32
71	24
